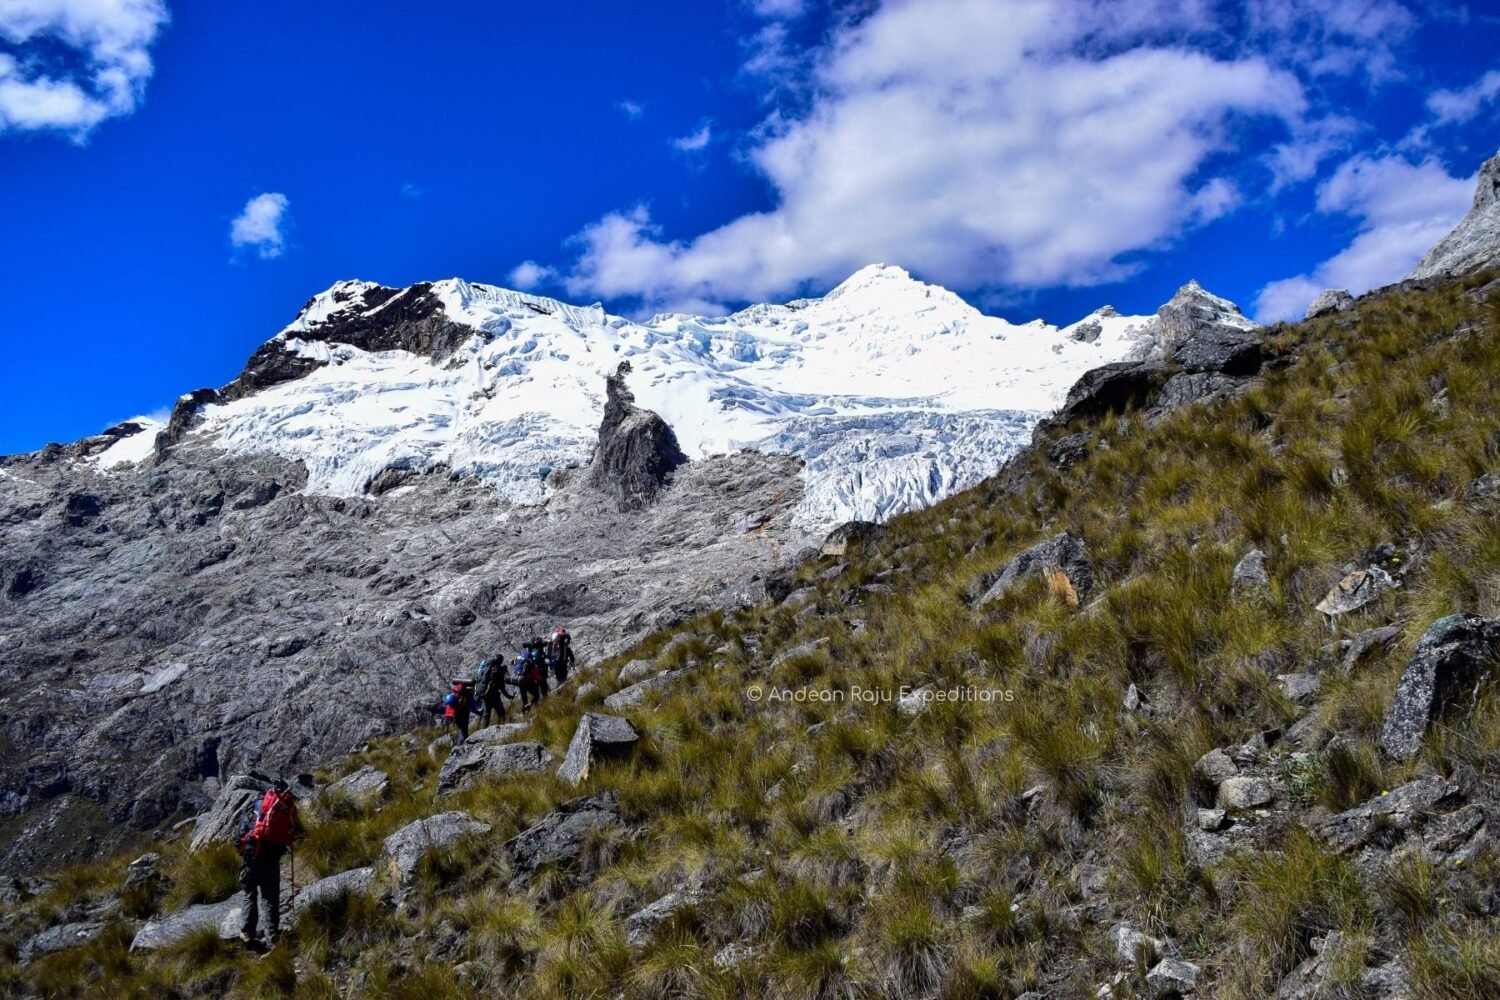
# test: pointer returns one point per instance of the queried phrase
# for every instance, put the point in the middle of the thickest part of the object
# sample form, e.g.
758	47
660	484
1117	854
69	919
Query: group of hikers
528	679
271	826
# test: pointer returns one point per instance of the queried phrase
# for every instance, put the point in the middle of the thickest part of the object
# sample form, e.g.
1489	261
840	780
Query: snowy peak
893	392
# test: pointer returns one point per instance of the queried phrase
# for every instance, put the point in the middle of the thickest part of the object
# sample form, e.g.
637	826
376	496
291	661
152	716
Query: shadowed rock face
167	625
1454	655
637	451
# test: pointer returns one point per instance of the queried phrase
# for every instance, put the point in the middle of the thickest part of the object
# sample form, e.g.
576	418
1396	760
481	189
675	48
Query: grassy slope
885	855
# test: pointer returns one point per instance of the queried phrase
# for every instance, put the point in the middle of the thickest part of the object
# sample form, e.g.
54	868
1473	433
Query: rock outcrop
1453	656
1063	560
562	836
637	451
1475	242
1330	300
402	852
849	534
597	737
477	759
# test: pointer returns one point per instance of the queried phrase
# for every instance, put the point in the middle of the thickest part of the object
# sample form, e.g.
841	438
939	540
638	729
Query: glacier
893	392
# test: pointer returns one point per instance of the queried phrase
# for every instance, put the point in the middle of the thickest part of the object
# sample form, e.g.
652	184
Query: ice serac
1475	243
637	451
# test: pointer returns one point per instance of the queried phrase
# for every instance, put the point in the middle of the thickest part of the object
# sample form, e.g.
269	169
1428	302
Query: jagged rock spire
637	450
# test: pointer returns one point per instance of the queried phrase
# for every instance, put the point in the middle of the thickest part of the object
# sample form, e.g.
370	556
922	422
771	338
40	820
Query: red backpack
277	821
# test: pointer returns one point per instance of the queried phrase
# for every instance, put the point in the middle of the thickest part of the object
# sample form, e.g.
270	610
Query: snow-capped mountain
895	393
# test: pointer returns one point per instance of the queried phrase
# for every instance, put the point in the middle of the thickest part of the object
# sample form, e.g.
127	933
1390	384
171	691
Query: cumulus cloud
261	226
631	109
695	141
75	63
1022	144
1457	106
529	274
1326	38
1402	209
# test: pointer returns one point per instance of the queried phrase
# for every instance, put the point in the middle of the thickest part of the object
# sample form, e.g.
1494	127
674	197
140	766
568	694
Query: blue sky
176	180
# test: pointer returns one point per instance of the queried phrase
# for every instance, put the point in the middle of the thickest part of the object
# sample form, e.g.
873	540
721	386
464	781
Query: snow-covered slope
895	392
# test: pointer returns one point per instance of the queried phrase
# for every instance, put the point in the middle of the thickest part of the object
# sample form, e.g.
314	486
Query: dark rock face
1186	388
561	836
184	417
1112	388
637	452
597	736
855	533
1453	656
1204	333
1224	350
1390	816
1062	554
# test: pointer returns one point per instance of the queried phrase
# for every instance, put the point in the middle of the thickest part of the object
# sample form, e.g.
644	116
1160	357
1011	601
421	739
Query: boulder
501	732
1133	699
914	702
1070	449
1250	576
584	690
402	852
474	760
1330	300
1389	813
1245	793
1186	388
641	926
1454	655
1211	820
1215	766
59	938
1129	943
326	891
1299	687
1111	388
560	837
1356	590
368	784
597	736
159	932
849	534
1172	978
636	693
1475	242
799	650
1063	560
235	798
636	670
637	450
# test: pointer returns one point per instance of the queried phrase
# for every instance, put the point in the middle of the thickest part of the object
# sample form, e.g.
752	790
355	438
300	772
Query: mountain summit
894	393
1475	242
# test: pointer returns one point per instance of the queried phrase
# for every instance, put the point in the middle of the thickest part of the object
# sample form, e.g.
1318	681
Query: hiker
266	833
531	674
493	687
560	653
539	658
458	704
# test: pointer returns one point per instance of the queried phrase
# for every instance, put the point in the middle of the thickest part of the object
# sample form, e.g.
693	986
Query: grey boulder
1250	576
636	693
60	938
1172	977
402	852
561	836
330	890
1453	657
641	926
597	736
1356	590
1330	300
474	760
368	784
162	931
1062	559
1390	813
850	533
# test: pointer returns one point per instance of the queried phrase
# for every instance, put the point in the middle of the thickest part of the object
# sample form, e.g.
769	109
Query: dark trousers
530	694
492	703
260	877
462	724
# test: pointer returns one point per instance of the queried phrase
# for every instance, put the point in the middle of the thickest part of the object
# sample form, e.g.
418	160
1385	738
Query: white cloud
1026	144
696	141
1456	106
108	48
1403	209
631	109
1334	37
412	191
261	225
529	274
777	8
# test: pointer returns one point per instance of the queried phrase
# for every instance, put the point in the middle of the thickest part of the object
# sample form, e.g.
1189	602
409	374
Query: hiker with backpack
531	677
458	705
266	833
492	686
560	653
